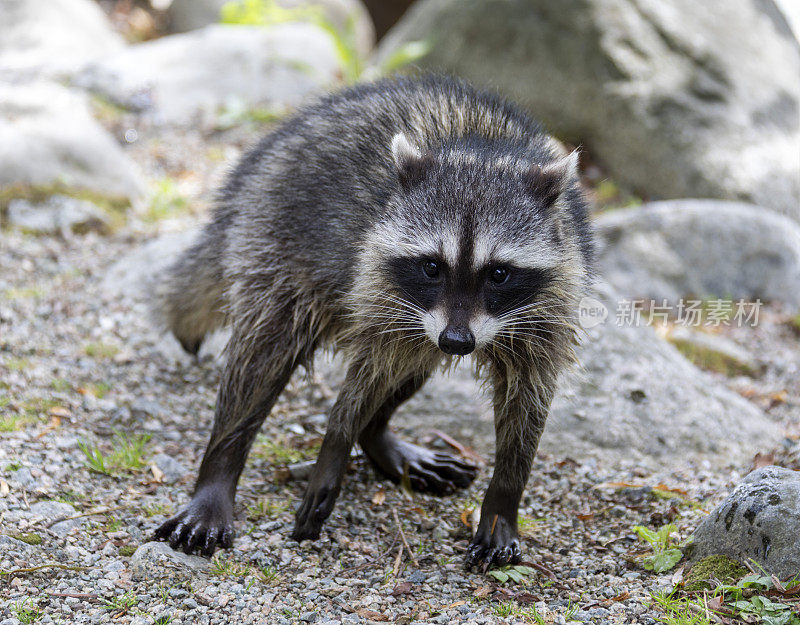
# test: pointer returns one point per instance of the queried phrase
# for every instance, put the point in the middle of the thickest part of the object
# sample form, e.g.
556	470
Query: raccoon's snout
456	341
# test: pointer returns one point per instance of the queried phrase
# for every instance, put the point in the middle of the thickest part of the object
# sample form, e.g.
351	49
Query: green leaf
525	570
499	575
664	560
407	53
515	575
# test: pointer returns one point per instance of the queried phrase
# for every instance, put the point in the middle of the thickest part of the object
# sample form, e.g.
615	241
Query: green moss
30	538
711	359
113	206
719	567
100	350
126	551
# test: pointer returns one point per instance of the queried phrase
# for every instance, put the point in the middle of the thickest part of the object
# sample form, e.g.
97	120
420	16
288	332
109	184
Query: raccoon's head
475	238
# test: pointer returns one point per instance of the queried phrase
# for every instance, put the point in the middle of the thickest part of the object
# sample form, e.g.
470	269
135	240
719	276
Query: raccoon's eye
499	275
430	268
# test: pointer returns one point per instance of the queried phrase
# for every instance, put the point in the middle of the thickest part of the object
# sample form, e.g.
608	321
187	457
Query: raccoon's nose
456	341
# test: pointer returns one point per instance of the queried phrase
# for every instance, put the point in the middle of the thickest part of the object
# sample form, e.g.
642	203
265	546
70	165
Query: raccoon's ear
411	162
547	182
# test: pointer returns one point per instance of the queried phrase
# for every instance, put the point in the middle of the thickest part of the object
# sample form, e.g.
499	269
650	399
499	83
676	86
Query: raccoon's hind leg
262	354
192	299
427	471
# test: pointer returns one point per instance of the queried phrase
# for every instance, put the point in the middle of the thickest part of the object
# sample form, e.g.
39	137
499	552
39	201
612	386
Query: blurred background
119	118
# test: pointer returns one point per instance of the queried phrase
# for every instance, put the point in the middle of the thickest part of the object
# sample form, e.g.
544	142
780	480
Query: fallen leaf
158	474
60	411
4	488
403	588
617	485
585	517
379	497
666	489
372	615
55	423
465	517
763	460
482	591
455	605
525	598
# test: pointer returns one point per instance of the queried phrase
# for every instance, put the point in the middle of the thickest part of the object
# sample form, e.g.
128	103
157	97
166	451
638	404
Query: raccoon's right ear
411	162
547	182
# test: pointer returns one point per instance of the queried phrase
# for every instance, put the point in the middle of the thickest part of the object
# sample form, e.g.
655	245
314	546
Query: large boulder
54	37
190	77
702	248
348	17
675	98
49	139
759	521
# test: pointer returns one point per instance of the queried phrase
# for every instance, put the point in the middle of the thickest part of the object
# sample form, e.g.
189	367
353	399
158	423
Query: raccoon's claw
317	506
205	524
494	546
427	471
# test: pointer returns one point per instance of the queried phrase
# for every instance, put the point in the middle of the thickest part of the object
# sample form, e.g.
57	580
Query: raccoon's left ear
547	182
411	162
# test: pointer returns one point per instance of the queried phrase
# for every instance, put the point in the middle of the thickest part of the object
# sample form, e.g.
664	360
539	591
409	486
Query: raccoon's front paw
317	506
495	544
207	522
427	471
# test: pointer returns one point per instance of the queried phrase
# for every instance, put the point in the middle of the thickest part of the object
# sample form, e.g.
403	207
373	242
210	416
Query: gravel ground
79	367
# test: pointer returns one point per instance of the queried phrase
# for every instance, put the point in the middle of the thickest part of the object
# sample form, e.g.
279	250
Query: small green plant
269	574
16	364
121	603
747	598
225	567
344	37
266	509
13	466
165	200
516	573
665	554
126	454
155	509
280	453
164	620
27	612
60	385
504	609
100	350
679	611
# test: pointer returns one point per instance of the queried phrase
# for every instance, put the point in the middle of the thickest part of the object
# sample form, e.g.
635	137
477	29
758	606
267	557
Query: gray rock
52	38
172	469
674	98
703	248
57	214
791	11
158	560
347	16
49	137
180	79
759	520
50	511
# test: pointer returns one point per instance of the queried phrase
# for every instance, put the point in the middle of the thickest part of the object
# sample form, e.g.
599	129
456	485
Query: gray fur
295	259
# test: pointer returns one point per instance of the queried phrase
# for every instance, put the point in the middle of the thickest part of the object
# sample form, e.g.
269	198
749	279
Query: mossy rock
114	207
718	567
710	359
29	538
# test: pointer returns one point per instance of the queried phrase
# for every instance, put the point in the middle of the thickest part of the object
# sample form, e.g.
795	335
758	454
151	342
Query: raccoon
406	224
